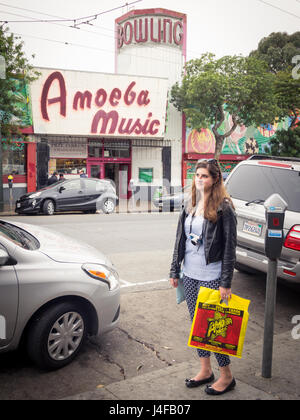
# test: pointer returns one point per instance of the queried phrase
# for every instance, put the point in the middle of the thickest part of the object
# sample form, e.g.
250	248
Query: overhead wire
93	32
84	30
87	18
279	8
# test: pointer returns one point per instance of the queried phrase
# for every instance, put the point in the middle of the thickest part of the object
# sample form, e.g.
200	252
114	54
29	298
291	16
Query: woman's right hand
174	283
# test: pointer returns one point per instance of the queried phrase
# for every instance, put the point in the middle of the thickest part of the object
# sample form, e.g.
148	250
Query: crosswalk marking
127	284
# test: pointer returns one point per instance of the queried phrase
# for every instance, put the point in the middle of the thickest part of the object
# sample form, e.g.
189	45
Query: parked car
250	184
83	194
174	201
170	202
54	291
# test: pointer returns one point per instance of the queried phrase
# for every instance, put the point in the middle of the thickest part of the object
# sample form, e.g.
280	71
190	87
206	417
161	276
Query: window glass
95	149
259	182
13	158
93	187
117	149
18	236
72	185
68	166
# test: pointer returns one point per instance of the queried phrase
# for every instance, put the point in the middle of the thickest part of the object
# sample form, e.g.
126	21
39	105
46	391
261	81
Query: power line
279	8
76	21
72	44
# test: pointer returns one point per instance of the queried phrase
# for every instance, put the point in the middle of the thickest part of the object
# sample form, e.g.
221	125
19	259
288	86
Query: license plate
252	228
18	205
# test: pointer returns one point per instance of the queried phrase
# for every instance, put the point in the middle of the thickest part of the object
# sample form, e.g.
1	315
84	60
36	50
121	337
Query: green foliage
278	50
17	67
286	143
242	84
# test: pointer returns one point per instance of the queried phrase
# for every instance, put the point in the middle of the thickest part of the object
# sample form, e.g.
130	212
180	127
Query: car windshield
18	236
256	183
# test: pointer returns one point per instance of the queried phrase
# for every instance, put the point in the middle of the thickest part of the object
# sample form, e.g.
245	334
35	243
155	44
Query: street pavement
167	383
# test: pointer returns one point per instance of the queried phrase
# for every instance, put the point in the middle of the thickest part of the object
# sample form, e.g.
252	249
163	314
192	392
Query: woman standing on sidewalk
205	244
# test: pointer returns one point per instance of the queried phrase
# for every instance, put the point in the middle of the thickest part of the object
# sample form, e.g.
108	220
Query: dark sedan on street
80	194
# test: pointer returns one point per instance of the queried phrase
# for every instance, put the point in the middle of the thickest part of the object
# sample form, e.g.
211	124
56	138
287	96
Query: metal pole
269	318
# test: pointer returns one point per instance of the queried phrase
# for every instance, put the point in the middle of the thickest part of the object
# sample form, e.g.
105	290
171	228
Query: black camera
196	239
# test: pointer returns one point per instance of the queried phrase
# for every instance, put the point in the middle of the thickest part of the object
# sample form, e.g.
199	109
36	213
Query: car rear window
19	236
250	182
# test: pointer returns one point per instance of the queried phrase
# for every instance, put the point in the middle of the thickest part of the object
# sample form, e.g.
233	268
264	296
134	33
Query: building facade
152	43
121	126
93	122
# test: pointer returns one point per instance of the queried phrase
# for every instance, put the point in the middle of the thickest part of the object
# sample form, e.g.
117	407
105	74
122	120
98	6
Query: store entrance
119	173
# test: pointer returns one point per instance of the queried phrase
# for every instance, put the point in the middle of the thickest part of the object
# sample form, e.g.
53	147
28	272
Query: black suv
83	194
250	184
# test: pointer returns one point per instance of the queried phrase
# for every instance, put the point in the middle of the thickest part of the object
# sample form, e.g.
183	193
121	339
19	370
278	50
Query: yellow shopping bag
219	327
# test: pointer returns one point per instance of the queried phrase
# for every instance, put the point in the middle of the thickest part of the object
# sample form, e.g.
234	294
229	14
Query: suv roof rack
268	157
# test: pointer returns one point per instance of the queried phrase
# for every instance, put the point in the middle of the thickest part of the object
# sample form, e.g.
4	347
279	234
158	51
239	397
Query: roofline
156	11
275	158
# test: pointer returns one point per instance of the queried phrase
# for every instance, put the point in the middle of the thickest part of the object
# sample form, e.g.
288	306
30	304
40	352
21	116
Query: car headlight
102	273
35	195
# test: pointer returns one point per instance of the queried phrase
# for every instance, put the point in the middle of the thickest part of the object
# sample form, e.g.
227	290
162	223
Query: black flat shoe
211	391
190	383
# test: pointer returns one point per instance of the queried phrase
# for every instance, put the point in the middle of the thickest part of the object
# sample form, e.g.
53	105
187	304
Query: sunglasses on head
213	161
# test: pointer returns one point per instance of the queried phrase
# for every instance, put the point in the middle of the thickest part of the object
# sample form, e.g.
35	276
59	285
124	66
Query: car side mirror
61	189
4	257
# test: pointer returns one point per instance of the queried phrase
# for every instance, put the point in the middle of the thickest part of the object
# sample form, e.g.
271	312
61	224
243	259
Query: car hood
63	248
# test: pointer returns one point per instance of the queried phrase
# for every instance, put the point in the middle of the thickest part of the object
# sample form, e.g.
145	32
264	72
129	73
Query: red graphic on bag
217	328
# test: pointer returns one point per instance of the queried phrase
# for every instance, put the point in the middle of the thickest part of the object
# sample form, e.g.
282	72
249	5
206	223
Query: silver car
250	184
54	291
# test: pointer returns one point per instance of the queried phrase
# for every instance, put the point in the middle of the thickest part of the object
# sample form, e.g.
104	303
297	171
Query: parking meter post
10	180
270	305
275	212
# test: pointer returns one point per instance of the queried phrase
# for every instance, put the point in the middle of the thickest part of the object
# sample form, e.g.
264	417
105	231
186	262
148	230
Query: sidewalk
168	383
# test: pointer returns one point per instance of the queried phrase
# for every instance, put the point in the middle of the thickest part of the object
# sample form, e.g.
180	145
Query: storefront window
13	158
145	175
117	149
95	149
67	166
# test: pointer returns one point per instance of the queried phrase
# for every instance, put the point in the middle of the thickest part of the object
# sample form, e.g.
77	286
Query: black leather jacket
219	243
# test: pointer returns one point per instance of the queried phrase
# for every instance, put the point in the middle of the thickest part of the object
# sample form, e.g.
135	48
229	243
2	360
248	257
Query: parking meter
10	179
275	212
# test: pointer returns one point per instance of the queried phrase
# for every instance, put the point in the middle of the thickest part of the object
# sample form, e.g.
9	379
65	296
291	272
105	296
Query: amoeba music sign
68	102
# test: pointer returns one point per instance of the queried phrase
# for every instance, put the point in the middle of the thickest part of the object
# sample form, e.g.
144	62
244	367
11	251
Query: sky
222	27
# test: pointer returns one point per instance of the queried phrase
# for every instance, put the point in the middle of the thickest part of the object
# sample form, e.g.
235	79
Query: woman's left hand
225	293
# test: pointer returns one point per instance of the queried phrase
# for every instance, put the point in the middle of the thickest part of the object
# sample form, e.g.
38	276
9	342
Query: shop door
95	170
124	178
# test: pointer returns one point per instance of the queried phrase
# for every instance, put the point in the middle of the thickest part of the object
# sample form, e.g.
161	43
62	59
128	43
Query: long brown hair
218	191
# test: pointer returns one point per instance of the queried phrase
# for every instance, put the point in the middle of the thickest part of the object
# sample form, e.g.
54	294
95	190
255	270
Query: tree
281	52
278	50
17	66
241	85
286	143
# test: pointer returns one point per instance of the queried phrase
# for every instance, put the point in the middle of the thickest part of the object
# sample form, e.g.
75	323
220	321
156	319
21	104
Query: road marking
127	284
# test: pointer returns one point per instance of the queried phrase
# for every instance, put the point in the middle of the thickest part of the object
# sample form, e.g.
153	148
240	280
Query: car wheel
48	207
108	206
57	335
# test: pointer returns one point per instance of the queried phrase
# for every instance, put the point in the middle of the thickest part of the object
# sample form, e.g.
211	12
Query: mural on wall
243	141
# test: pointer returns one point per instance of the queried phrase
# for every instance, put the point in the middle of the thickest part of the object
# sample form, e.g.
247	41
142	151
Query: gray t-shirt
194	261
